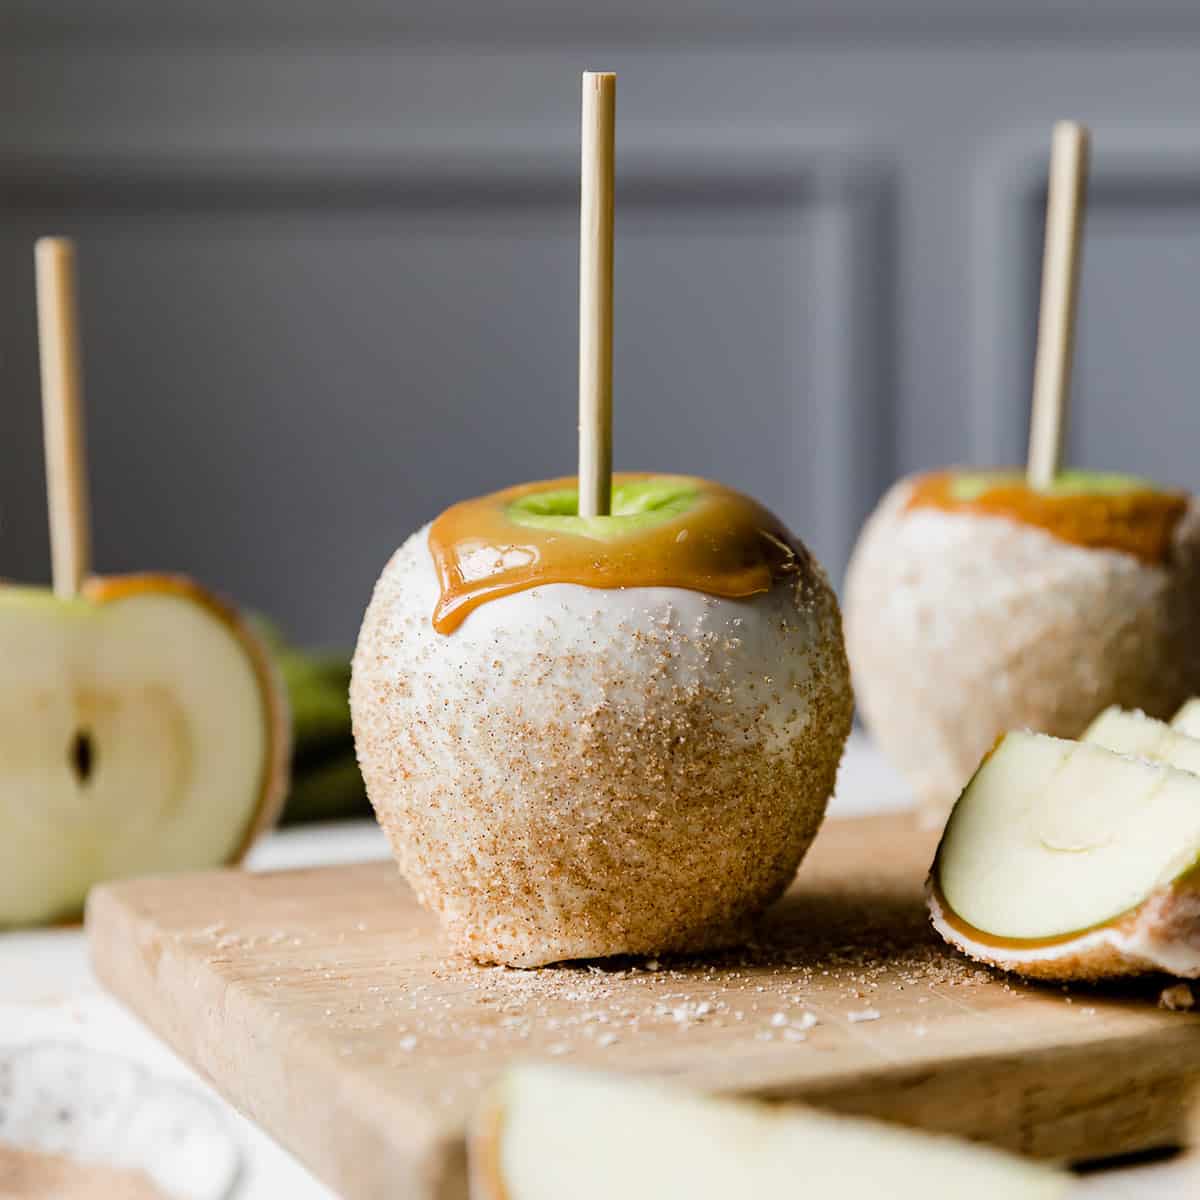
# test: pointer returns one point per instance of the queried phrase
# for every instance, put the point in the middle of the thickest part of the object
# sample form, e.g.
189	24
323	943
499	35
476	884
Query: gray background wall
329	258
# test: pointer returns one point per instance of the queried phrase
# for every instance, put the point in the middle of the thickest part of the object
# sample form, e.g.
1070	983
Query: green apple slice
637	505
1187	719
548	1133
140	731
1125	732
1053	838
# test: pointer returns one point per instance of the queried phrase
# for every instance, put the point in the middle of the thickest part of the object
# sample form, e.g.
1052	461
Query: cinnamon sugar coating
580	772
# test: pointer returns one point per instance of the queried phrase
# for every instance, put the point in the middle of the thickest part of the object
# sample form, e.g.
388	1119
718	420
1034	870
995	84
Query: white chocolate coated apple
961	626
141	731
578	772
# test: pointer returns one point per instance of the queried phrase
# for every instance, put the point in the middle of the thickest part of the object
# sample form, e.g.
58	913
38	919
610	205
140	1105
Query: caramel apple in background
602	716
142	725
983	601
976	604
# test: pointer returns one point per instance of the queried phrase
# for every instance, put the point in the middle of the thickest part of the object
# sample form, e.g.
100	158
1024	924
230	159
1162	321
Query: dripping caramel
724	544
1140	521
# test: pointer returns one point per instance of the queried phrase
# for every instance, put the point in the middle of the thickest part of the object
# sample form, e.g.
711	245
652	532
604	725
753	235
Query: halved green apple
1067	860
547	1133
141	730
637	504
1187	719
1126	732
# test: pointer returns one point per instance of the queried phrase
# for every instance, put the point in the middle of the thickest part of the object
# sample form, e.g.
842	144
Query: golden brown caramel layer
725	544
996	942
1138	522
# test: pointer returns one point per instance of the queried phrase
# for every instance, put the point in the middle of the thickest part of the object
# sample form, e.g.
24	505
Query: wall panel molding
834	190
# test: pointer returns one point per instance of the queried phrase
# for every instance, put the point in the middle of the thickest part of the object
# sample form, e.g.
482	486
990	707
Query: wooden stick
62	414
595	294
1060	287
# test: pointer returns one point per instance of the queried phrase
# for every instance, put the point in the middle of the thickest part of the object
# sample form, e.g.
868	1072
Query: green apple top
664	531
1086	508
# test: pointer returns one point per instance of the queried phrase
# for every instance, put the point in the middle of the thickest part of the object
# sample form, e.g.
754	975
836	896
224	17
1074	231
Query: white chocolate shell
962	626
579	772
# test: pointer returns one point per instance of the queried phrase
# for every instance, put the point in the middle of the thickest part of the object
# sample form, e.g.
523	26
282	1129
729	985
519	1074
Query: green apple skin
970	485
637	505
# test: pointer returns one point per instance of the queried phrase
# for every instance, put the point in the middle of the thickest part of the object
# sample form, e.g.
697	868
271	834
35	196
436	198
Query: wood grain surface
320	1002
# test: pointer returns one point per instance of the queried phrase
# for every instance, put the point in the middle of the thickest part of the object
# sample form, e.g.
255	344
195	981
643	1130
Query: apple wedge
1187	719
1065	860
141	730
546	1133
1129	732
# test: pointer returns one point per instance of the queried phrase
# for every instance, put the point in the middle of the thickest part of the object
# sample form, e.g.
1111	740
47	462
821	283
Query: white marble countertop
47	992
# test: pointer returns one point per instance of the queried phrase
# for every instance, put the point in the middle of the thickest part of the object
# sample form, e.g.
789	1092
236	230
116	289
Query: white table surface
47	991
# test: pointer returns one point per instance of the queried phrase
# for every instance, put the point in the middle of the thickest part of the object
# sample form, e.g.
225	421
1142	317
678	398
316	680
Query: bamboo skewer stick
595	294
62	415
1060	287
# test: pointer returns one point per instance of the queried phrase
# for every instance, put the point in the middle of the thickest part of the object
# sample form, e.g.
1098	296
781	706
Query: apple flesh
1053	838
141	730
1136	734
1187	719
1065	860
548	1133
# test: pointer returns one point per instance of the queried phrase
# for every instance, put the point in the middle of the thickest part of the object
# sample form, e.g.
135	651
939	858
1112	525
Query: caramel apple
976	604
983	601
589	736
600	715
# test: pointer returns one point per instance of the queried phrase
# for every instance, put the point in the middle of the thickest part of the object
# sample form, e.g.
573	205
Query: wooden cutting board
320	1002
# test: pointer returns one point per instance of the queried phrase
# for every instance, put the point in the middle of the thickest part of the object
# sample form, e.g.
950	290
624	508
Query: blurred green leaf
325	779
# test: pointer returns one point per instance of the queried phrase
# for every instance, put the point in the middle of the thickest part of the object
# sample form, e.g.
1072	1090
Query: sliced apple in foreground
1125	732
1187	719
547	1133
141	730
1065	860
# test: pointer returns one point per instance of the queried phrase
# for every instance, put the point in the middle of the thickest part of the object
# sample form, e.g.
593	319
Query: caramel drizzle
1122	923
725	545
1139	522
